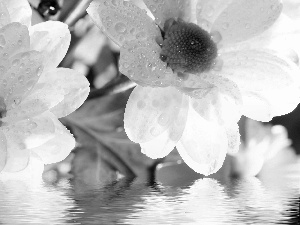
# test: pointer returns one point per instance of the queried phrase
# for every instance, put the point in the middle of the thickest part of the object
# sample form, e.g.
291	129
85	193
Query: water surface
273	198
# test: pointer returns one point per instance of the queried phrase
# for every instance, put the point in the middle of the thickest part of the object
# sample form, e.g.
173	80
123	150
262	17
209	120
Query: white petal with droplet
243	19
122	21
256	70
14	38
52	39
140	62
203	145
23	73
30	133
162	145
150	111
57	148
73	86
19	11
164	10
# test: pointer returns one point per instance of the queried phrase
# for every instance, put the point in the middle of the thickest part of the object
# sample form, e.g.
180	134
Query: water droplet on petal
218	64
163	119
225	26
120	27
32	125
216	36
21	79
152	8
140	104
2	40
154	132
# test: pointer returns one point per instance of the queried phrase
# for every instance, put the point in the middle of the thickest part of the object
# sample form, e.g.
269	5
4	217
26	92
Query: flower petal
5	18
140	62
52	38
163	10
291	8
238	20
3	150
23	73
283	37
218	107
19	11
42	98
32	132
17	157
264	105
256	107
57	148
203	145
254	70
162	145
73	86
14	39
122	21
208	11
150	111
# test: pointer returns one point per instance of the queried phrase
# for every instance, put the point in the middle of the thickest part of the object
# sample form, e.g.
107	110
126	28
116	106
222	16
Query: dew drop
152	8
126	3
225	26
130	73
154	132
115	2
5	55
247	25
17	101
120	27
2	40
32	125
132	30
39	71
125	65
28	70
216	36
218	64
21	79
155	103
141	104
15	62
140	35
163	119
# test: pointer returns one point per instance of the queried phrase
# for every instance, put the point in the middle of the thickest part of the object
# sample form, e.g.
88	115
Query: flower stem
77	12
121	84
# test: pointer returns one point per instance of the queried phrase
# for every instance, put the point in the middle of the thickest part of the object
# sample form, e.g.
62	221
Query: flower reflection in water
269	199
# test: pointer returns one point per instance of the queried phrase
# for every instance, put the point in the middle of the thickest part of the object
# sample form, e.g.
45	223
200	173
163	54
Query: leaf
104	148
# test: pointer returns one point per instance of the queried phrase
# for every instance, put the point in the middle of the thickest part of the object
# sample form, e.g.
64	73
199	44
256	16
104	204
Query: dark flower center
187	48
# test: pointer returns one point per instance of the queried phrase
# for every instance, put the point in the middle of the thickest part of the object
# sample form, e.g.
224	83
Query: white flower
263	144
192	97
34	93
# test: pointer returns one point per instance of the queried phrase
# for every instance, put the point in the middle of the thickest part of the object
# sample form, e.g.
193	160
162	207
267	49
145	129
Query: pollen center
187	48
